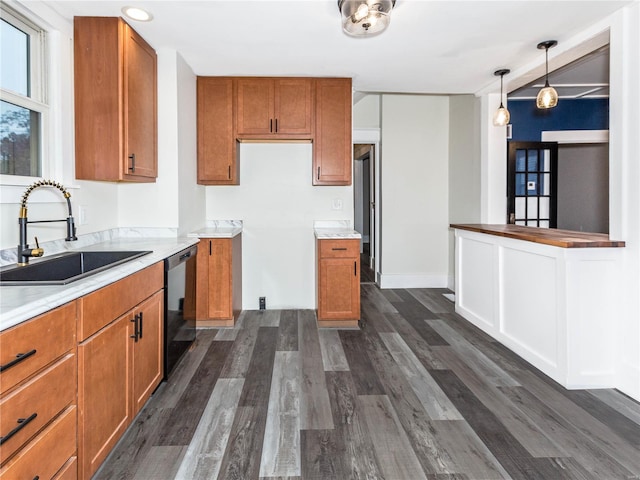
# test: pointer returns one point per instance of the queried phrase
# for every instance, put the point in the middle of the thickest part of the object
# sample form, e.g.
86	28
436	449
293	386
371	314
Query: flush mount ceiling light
502	116
547	97
365	18
137	14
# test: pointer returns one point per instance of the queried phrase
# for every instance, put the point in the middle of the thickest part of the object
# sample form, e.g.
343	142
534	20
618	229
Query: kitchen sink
66	268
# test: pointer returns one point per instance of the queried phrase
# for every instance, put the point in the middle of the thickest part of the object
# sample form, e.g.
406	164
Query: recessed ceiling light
138	14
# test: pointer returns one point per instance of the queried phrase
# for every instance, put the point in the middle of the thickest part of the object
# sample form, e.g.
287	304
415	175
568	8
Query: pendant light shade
502	115
547	96
365	18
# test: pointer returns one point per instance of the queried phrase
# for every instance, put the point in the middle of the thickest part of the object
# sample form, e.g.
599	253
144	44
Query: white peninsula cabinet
549	295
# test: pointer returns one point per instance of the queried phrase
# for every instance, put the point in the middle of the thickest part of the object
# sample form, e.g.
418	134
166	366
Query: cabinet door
293	106
339	289
217	145
255	100
140	111
147	366
104	396
219	283
332	149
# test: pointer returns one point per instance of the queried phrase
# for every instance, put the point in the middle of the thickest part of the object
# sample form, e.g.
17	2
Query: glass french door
532	184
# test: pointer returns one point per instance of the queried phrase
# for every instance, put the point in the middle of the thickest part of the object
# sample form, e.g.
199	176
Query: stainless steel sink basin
66	268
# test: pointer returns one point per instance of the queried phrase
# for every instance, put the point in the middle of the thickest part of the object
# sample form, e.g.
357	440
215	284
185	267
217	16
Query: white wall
415	191
464	166
191	196
278	205
366	112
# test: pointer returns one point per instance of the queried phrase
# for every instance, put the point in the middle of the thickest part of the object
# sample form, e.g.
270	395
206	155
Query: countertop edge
553	237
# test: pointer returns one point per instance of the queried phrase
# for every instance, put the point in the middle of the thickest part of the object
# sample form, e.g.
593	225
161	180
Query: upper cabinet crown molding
235	109
115	81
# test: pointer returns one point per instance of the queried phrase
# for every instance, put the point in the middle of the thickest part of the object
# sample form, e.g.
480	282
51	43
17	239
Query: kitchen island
548	295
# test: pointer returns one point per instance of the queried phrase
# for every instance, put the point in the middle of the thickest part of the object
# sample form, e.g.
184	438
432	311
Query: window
23	110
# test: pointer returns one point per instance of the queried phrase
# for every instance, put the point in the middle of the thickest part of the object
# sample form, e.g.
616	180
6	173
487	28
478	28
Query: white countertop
18	304
336	233
219	229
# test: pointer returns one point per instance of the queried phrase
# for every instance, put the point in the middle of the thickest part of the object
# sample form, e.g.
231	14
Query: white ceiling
437	47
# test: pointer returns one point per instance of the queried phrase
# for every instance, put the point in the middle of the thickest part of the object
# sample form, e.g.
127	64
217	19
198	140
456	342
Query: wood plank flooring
418	393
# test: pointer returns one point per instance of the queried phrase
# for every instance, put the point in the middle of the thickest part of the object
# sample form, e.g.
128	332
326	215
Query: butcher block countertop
547	236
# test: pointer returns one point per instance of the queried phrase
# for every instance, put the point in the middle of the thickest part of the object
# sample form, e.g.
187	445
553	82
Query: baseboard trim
396	280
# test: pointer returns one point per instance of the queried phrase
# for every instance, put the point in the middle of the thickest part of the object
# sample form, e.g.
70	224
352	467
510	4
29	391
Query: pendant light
547	97
365	18
502	116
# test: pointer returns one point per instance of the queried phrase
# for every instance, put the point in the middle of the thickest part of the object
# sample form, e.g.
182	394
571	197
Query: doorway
364	207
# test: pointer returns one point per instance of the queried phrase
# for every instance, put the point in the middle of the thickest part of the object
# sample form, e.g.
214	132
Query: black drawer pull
355	268
22	422
135	329
339	248
318	173
276	125
140	320
19	357
132	157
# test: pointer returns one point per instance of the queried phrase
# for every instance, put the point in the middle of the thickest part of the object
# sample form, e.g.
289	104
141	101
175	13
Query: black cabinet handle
37	477
19	358
135	329
229	172
271	125
22	422
132	157
339	248
209	247
318	173
140	320
276	125
355	268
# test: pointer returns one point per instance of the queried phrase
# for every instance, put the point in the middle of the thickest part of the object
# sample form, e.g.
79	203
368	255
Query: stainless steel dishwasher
179	306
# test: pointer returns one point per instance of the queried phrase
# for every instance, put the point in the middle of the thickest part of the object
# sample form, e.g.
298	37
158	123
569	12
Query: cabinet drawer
45	455
40	341
339	248
38	401
100	308
69	471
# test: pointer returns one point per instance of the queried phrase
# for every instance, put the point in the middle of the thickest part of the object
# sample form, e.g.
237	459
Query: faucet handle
37	252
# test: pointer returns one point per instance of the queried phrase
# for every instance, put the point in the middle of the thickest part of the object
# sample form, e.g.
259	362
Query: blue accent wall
580	114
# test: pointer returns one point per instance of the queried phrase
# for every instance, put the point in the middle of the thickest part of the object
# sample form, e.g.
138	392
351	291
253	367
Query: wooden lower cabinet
338	295
38	399
119	367
219	281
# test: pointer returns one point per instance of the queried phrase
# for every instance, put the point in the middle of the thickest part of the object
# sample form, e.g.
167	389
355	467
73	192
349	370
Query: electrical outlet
82	215
336	204
263	303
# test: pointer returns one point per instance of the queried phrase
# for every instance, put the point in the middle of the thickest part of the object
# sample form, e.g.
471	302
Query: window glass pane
14	70
545	187
544	223
546	155
532	207
532	184
19	138
521	157
532	223
544	207
520	184
532	161
520	207
521	222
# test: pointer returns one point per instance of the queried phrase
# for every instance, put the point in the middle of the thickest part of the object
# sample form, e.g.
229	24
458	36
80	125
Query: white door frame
372	136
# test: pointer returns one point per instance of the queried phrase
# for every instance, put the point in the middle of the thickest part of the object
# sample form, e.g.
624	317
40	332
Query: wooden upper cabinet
115	81
332	149
217	146
274	107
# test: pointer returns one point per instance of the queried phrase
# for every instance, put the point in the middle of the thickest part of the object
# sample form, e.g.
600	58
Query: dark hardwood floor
418	393
367	274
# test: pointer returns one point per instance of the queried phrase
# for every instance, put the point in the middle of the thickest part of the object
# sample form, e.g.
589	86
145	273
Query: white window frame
38	99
